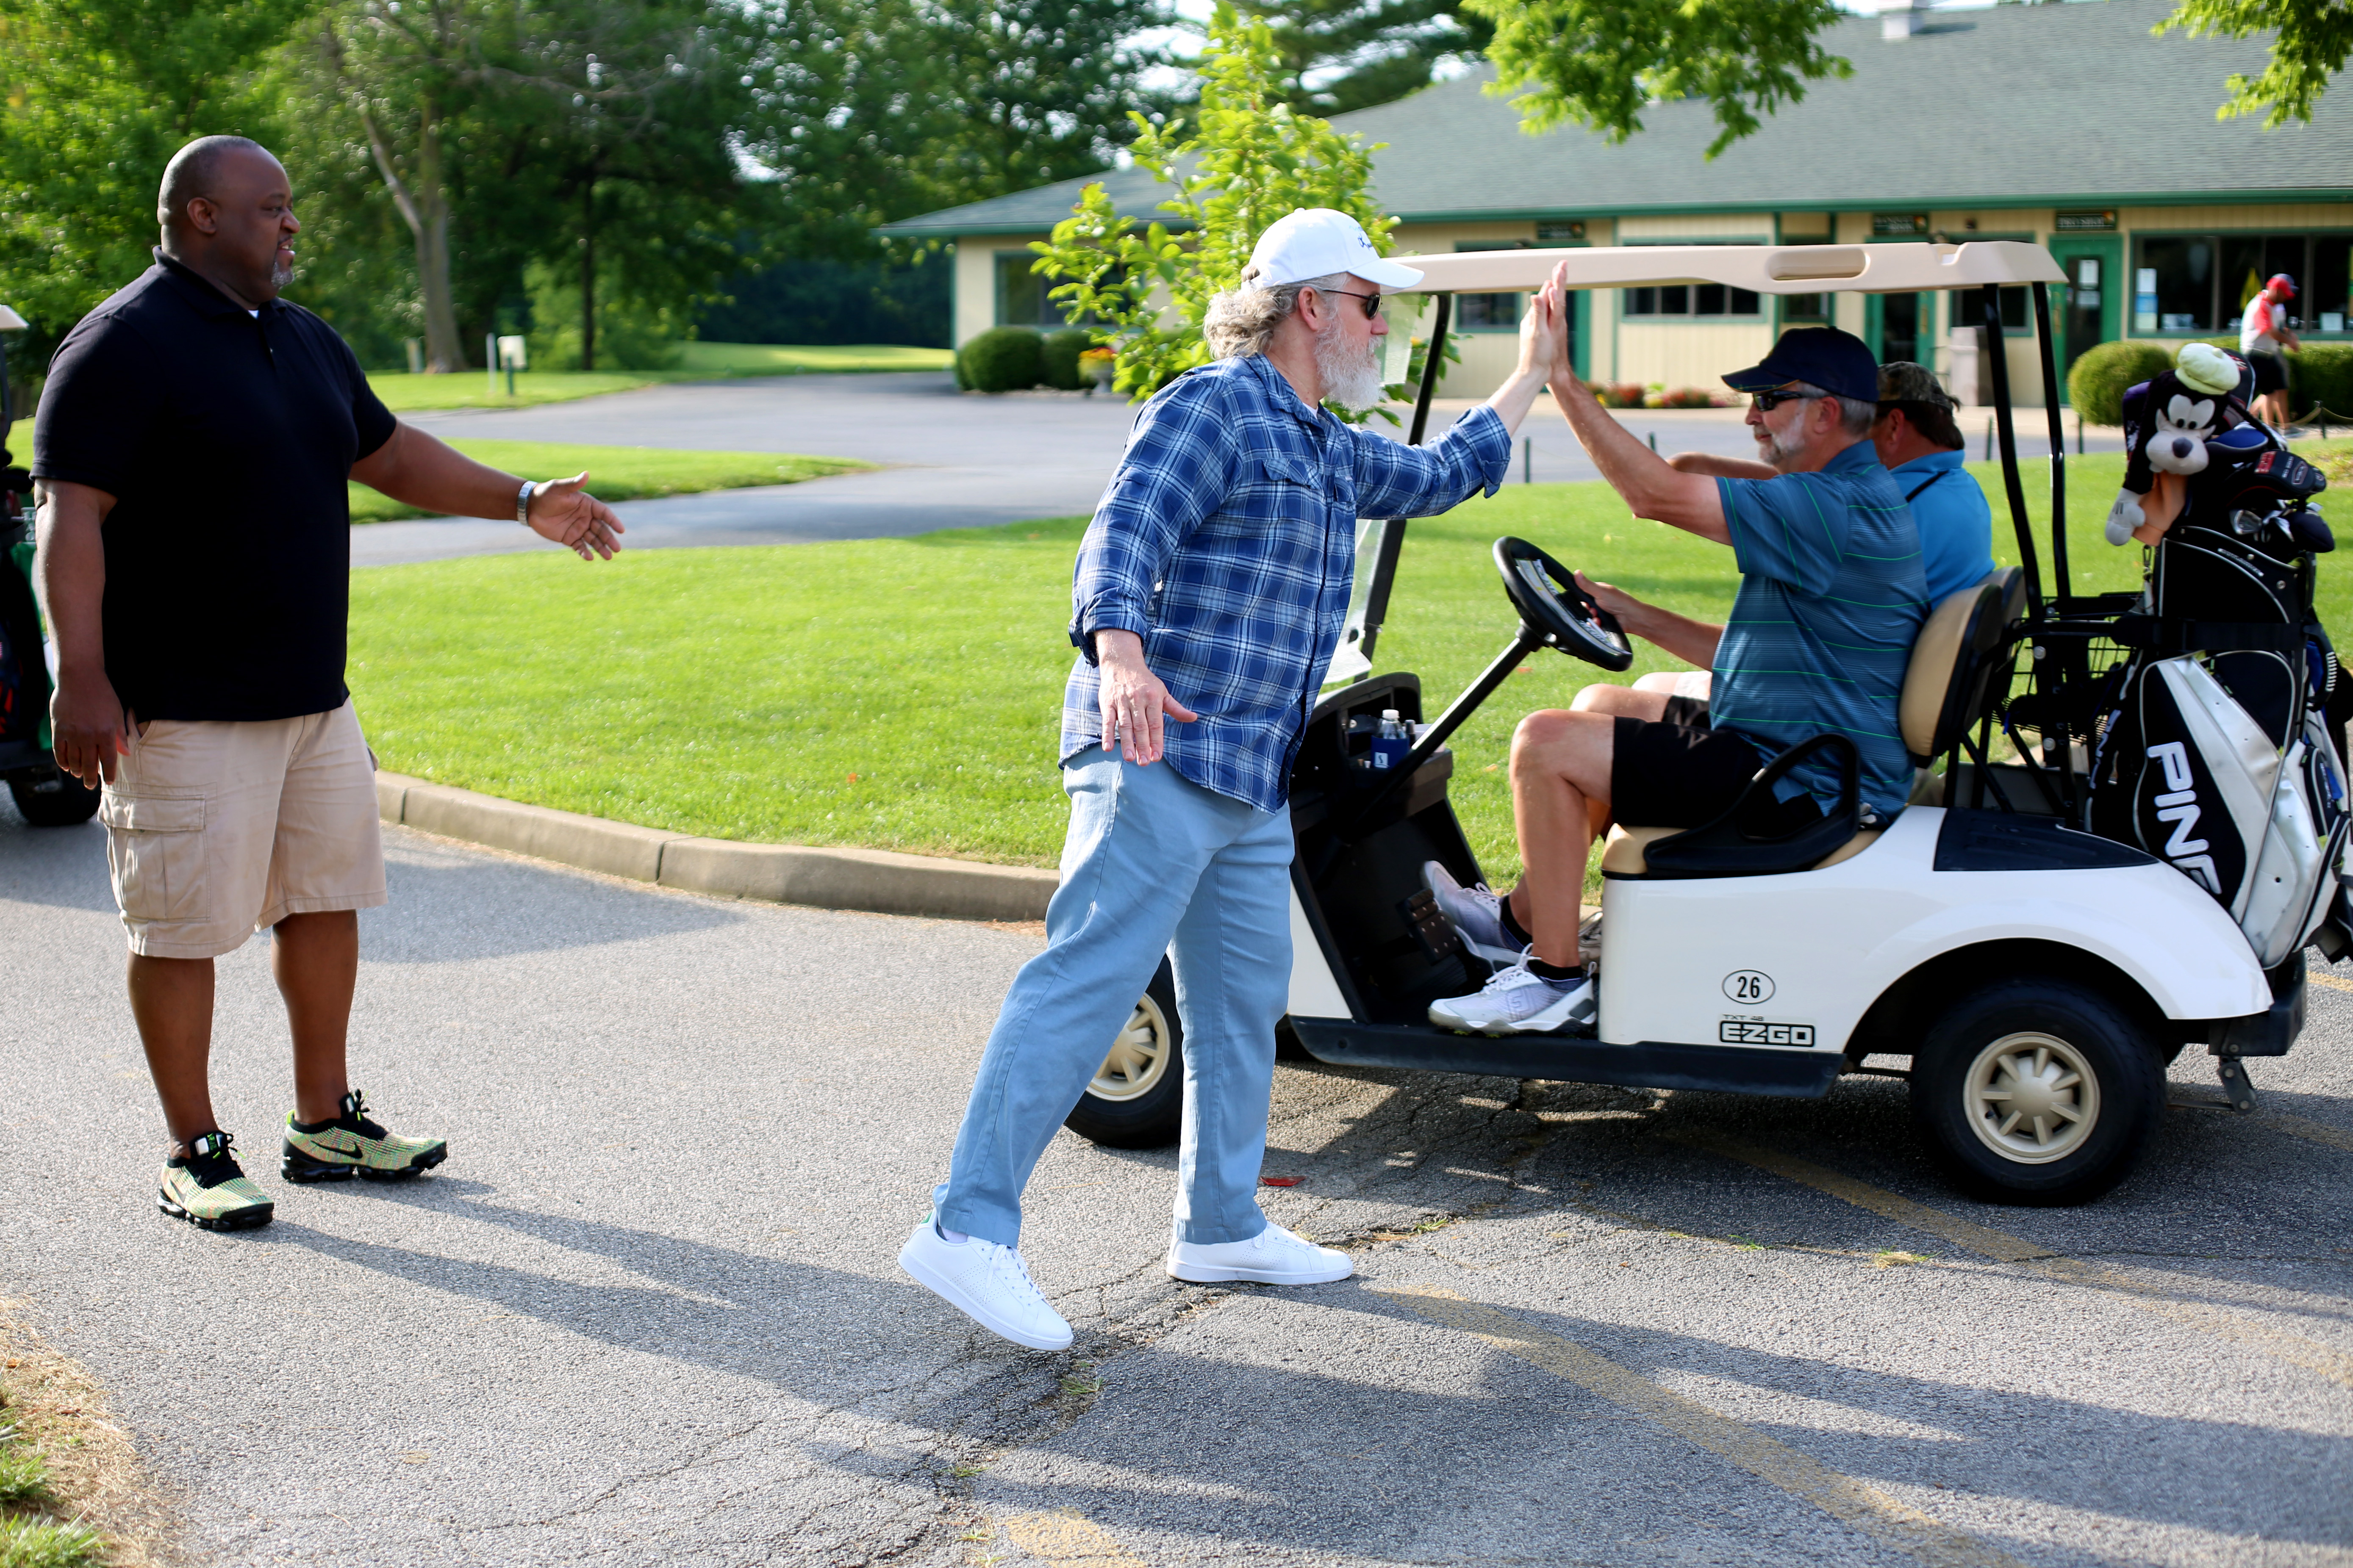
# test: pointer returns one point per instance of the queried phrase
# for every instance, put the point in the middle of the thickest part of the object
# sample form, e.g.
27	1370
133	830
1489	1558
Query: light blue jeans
1153	863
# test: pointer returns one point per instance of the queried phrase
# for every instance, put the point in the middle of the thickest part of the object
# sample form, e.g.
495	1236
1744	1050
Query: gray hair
1241	320
1854	418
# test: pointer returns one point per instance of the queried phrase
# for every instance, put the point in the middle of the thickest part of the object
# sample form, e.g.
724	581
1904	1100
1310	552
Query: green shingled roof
2012	106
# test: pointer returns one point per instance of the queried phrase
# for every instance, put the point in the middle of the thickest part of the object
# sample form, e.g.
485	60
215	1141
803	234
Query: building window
1806	309
2200	283
1021	294
1966	309
1490	312
1691	300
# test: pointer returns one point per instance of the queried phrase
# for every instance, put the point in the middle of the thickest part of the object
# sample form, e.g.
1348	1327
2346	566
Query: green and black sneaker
354	1144
206	1187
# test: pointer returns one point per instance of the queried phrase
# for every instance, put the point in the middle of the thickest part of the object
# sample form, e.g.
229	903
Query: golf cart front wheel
2038	1090
1136	1098
60	800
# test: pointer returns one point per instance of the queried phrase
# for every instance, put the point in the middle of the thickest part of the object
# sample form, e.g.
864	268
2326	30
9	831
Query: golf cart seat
1946	685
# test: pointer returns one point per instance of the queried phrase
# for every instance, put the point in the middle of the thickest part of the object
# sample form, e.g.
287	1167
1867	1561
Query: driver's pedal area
1431	931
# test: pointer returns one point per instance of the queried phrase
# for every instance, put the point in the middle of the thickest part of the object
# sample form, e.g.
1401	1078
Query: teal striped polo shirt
1832	596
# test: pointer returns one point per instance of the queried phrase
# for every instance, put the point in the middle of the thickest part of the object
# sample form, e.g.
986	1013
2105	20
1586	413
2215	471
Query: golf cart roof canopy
1893	269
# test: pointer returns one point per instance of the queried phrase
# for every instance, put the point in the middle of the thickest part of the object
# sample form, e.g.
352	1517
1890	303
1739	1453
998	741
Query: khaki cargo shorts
215	830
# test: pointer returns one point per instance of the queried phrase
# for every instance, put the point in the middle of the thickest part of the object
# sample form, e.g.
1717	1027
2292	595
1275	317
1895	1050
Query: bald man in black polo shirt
194	441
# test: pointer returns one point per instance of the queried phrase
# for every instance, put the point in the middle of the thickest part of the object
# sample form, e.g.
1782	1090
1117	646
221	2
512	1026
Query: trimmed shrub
1002	359
2097	383
1057	359
2322	376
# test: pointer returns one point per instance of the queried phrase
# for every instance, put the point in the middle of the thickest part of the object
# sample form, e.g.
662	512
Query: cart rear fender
2180	947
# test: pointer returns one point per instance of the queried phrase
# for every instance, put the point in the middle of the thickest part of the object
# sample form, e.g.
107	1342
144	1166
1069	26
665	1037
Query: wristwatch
523	502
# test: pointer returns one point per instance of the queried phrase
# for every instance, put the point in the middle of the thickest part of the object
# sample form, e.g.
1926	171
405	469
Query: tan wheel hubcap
2032	1098
1139	1060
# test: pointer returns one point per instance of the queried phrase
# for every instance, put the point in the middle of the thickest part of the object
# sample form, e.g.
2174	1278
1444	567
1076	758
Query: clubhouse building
2069	125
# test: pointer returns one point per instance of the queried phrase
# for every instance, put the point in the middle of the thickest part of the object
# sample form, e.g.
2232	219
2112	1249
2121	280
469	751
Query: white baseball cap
1316	242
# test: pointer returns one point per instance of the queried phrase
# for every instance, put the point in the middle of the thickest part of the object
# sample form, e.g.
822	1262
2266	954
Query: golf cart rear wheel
60	800
1136	1098
2036	1089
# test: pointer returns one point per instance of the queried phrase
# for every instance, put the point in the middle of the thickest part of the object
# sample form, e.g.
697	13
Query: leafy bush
2322	376
2097	383
1002	359
1618	394
1688	398
1057	359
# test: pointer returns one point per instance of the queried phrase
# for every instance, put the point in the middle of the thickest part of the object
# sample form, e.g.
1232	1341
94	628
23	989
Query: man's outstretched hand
1135	703
563	512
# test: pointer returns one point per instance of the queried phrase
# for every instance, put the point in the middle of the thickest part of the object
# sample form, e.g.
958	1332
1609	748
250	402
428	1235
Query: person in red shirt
2262	334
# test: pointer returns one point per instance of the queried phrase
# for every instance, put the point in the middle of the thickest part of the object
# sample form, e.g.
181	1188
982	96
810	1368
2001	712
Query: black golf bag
2224	749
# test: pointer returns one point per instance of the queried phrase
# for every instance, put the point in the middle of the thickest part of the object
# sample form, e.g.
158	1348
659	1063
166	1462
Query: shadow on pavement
511	907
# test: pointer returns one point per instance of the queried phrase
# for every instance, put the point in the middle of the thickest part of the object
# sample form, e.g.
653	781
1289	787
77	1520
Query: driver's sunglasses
1765	402
1372	302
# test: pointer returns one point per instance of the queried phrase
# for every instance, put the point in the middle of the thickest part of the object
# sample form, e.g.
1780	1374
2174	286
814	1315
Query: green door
2091	303
1901	327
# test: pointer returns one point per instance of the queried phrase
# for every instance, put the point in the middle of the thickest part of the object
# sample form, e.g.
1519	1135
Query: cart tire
59	801
2036	1089
1136	1099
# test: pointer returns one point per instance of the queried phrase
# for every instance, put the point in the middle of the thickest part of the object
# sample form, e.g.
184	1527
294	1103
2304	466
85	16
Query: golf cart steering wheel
1552	605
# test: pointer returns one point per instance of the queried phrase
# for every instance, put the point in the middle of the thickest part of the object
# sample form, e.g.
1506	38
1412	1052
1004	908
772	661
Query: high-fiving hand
563	512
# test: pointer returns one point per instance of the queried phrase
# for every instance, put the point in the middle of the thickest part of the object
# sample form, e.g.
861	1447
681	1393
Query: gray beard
1352	381
1782	445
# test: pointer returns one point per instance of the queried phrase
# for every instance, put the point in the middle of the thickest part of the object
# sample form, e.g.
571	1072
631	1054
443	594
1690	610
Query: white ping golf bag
2220	760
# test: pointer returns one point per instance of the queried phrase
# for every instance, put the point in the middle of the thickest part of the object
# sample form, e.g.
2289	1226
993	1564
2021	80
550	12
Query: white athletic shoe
1476	914
1273	1257
1518	1001
986	1282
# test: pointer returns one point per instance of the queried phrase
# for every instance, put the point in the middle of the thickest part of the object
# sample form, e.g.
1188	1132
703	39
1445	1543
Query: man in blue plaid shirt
1209	599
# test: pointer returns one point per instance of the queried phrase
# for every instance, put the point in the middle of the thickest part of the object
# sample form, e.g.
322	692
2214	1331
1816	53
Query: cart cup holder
1555	611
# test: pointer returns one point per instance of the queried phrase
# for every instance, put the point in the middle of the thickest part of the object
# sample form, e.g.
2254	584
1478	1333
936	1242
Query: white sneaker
1273	1257
1518	1001
986	1282
1476	913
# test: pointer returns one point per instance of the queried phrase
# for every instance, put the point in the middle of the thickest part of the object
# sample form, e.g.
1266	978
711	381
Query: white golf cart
2037	977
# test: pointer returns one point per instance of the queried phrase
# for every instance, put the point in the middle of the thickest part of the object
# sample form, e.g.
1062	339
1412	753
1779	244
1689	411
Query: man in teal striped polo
1832	595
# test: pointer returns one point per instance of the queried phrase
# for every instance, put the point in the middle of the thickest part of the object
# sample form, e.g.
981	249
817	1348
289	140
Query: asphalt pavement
648	1310
949	459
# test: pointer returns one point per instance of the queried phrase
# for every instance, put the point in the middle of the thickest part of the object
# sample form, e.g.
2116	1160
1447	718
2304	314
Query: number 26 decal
1748	986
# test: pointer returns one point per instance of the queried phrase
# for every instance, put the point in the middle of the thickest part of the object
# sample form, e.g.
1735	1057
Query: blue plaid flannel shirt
1227	541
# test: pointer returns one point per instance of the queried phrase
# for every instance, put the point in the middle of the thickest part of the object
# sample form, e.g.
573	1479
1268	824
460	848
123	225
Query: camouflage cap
1901	381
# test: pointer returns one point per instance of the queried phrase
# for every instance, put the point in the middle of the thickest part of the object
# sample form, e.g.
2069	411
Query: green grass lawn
905	694
406	394
621	473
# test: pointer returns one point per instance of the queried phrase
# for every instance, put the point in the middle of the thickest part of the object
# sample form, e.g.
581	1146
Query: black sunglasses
1372	302
1765	402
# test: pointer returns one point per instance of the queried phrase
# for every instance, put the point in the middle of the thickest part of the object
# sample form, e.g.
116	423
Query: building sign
1560	231
1899	223
2067	223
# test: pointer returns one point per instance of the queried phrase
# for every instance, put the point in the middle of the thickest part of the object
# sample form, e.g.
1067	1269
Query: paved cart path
647	1312
950	460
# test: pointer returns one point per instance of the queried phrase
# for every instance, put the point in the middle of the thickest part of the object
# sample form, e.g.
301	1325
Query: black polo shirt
226	440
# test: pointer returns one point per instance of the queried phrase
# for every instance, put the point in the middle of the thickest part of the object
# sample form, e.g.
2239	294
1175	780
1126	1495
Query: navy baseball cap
1825	356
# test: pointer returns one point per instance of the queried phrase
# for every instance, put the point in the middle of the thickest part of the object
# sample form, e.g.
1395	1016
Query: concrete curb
875	880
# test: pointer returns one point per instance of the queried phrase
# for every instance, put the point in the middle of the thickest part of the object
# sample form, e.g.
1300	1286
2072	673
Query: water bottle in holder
1390	743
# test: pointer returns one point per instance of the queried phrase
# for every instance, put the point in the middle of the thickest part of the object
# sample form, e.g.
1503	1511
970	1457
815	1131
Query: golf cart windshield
1987	265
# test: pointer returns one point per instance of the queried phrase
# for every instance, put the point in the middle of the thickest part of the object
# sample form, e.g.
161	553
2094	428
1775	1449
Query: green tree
1248	159
1598	63
1344	55
405	70
95	97
644	193
2314	39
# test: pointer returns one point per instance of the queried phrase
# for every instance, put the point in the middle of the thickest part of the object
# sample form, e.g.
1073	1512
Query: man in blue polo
1208	599
1832	596
1923	451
